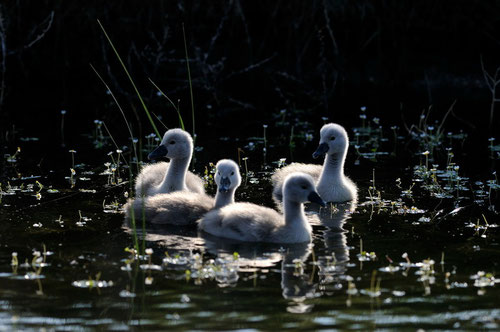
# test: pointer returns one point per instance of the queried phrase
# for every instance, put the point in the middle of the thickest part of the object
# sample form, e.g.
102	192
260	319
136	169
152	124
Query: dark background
248	59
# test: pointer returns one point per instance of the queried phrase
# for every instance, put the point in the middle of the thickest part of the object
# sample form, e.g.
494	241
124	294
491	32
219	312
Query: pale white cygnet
184	207
331	183
164	177
254	223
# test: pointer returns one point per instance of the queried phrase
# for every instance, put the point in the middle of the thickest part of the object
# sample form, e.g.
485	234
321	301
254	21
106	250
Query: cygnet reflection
297	284
333	263
291	259
172	237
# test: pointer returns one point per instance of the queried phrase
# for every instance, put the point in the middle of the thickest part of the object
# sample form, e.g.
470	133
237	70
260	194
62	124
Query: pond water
419	250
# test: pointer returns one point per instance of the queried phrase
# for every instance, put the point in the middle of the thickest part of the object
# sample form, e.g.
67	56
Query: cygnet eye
332	138
303	187
232	173
172	142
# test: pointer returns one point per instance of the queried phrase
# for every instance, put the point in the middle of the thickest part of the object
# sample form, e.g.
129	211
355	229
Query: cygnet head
227	175
300	188
333	140
176	143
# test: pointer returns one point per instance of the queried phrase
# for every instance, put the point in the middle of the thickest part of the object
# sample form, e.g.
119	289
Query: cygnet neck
333	168
293	212
175	178
224	198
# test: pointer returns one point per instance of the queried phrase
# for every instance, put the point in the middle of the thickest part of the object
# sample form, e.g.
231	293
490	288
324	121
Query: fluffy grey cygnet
254	223
331	183
164	177
184	207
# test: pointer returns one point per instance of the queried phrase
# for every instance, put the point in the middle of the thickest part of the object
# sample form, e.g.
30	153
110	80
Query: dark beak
160	151
224	185
321	150
314	197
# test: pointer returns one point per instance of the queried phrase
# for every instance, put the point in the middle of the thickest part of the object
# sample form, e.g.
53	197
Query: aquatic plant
246	167
190	83
93	283
208	175
177	109
368	138
492	81
13	158
374	290
264	139
426	274
130	79
134	148
390	268
83	220
63	112
351	290
483	279
280	163
72	179
430	136
99	139
14	262
478	227
365	255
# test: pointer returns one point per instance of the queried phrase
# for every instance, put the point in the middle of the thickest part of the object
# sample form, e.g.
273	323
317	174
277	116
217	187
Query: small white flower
148	280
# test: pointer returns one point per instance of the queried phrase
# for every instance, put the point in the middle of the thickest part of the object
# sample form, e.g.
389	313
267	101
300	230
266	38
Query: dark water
84	278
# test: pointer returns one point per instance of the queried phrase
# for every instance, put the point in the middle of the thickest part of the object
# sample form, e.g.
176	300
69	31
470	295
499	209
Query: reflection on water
297	285
173	237
291	259
191	280
333	263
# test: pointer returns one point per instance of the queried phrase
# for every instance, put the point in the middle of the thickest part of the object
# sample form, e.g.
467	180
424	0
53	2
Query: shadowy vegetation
324	57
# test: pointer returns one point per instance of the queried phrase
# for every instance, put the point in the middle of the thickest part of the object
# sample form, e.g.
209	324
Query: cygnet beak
224	185
160	151
315	198
321	150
